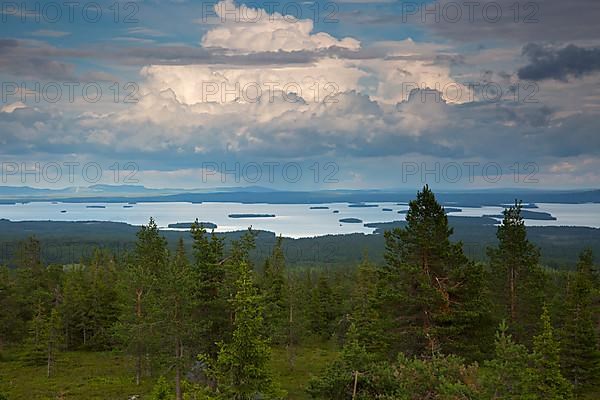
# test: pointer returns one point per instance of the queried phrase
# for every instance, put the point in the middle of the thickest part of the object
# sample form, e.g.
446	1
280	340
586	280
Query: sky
353	94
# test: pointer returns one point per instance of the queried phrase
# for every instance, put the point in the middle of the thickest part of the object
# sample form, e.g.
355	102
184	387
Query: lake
292	220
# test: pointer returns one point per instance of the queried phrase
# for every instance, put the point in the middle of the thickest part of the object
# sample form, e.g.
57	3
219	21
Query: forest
422	320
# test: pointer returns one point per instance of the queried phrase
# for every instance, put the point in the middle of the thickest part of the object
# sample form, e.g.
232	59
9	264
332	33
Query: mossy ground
110	376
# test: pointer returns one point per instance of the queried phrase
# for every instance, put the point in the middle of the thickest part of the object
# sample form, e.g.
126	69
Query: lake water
292	220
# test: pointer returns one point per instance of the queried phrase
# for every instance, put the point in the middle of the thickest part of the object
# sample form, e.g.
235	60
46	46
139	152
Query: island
351	220
527	214
319	208
452	210
361	205
95	206
127	206
386	209
336	211
63	211
188	225
251	215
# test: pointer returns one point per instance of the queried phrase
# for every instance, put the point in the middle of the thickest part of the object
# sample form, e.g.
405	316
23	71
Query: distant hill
257	194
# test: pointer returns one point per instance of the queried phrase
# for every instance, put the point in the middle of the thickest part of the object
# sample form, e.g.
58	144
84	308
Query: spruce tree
275	292
548	382
348	377
321	307
580	355
242	366
212	308
508	375
364	307
12	327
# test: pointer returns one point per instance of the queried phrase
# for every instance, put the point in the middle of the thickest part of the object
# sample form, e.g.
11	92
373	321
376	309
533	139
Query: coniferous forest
212	323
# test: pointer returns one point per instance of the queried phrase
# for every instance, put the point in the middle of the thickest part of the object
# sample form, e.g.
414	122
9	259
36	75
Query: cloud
9	108
550	63
50	33
251	30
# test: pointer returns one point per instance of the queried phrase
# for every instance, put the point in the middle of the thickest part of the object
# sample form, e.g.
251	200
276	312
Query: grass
110	376
78	375
309	360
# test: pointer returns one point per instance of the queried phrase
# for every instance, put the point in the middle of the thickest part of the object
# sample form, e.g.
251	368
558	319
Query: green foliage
508	374
580	353
431	292
161	390
337	382
11	325
242	366
365	308
321	308
408	330
549	384
275	293
212	312
356	375
138	326
440	377
516	279
177	328
89	303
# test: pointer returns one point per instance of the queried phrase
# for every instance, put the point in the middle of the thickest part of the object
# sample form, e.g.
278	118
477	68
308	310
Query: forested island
214	320
188	225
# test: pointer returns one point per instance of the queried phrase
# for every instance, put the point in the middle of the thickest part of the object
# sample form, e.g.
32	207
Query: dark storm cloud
188	55
33	59
560	64
497	20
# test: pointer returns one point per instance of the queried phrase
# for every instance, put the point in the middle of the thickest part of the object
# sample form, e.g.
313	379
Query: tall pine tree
516	280
431	292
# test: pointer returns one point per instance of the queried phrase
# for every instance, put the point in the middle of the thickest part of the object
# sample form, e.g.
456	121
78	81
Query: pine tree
516	279
138	325
548	382
580	355
431	292
177	303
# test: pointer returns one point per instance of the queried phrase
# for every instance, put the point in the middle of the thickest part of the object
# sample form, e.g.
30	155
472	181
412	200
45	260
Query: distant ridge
258	194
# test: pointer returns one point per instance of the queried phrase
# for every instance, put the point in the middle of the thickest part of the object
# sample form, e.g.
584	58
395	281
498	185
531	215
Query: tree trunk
513	296
138	365
355	384
138	313
178	358
49	361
